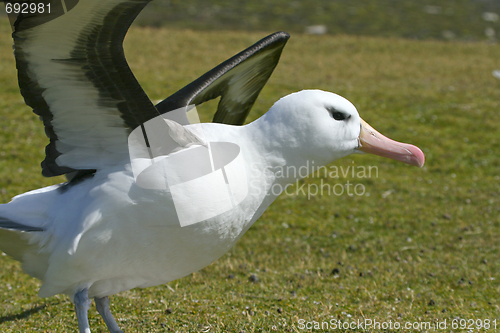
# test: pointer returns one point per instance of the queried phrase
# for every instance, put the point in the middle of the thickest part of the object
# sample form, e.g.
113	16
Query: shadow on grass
22	315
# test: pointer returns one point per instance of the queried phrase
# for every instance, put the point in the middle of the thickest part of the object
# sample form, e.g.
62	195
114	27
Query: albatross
109	229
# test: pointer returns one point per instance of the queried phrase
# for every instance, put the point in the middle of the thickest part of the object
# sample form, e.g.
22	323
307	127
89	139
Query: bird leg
102	306
82	305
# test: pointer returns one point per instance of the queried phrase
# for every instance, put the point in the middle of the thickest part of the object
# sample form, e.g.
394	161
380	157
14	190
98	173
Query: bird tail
14	226
24	229
12	240
15	242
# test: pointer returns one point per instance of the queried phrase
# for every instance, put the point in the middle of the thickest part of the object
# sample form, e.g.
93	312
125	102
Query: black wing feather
237	80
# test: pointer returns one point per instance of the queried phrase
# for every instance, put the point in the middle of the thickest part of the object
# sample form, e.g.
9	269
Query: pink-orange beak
373	142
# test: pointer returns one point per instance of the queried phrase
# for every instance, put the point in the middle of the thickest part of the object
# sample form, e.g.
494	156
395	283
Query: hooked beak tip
372	142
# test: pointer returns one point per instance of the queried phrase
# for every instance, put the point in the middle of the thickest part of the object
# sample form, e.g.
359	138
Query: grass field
419	19
421	245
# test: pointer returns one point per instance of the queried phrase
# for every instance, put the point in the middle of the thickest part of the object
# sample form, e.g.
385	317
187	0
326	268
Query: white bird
102	233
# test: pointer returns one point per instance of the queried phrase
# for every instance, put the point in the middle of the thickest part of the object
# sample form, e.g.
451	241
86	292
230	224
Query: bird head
330	125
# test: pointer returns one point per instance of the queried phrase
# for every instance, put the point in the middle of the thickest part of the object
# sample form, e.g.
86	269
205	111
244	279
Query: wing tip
282	34
279	37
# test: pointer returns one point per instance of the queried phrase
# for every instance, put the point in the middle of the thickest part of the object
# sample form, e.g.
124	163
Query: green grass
420	19
421	234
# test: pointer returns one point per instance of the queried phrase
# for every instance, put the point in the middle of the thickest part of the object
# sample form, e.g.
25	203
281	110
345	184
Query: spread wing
237	80
73	73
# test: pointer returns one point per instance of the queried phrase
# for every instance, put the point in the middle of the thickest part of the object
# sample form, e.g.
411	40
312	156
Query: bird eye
337	115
